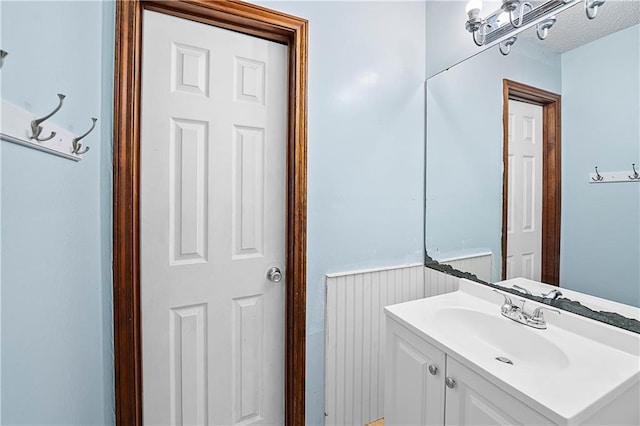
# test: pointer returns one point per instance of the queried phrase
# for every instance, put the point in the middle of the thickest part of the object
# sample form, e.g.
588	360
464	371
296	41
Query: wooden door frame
248	19
551	171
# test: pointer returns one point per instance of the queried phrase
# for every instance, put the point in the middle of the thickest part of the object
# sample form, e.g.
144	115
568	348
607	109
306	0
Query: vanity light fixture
475	25
516	8
514	16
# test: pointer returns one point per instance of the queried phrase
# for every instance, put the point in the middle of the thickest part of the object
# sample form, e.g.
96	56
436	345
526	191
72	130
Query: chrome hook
3	53
76	146
542	29
36	129
591	7
598	177
636	175
518	8
482	32
505	46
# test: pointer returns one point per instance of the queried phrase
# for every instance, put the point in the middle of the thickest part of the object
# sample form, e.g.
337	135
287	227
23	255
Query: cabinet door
413	394
475	401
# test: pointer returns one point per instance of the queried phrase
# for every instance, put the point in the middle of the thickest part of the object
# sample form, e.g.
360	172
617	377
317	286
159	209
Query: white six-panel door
524	207
213	139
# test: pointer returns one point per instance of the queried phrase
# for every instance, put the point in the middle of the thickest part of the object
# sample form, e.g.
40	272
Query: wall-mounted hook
636	175
598	177
76	146
3	53
36	129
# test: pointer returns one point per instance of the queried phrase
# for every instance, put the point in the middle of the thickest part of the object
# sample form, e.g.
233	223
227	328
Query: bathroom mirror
594	67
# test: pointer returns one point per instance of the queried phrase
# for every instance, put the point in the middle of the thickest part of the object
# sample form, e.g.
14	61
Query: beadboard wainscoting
355	335
436	282
478	264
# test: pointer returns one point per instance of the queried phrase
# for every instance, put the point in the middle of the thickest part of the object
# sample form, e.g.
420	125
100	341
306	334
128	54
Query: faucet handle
538	314
522	302
552	294
536	320
507	299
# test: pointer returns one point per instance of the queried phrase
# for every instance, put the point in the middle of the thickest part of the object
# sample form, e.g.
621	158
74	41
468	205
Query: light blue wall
600	248
1	326
56	297
464	147
366	149
106	202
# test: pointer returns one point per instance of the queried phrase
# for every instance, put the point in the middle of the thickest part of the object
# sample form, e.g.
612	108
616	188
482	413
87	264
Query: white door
524	206
213	186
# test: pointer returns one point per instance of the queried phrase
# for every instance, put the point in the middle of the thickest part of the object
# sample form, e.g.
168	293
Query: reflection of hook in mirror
3	53
636	175
36	127
75	143
598	177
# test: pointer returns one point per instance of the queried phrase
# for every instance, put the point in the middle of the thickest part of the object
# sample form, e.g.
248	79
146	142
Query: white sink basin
568	371
496	336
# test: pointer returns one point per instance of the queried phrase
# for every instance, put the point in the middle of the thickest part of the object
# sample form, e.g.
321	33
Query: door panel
213	139
524	207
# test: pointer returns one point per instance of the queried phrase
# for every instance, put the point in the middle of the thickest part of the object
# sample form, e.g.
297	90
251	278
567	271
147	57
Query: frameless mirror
512	146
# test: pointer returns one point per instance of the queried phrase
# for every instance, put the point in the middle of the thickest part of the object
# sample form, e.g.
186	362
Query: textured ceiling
573	28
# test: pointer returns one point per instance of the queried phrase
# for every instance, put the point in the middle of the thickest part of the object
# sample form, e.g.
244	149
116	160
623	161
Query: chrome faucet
521	289
552	294
518	314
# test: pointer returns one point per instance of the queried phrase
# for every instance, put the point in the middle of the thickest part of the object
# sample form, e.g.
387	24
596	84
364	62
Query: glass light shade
474	6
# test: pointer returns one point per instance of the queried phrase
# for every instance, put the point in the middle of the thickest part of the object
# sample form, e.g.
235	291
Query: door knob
274	274
433	370
450	383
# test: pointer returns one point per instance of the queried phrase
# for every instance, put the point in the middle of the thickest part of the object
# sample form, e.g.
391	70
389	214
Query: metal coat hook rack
75	143
36	127
59	141
598	177
610	177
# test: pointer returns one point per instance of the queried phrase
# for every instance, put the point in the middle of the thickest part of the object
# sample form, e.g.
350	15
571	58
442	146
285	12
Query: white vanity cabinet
414	379
454	359
475	401
424	386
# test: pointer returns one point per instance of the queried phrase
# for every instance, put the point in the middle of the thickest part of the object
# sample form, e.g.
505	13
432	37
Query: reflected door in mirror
524	211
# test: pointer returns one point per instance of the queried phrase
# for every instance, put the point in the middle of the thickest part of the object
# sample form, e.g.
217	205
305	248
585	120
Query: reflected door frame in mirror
551	172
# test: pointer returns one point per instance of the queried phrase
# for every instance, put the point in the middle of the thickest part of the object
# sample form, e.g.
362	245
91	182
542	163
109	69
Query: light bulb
473	8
